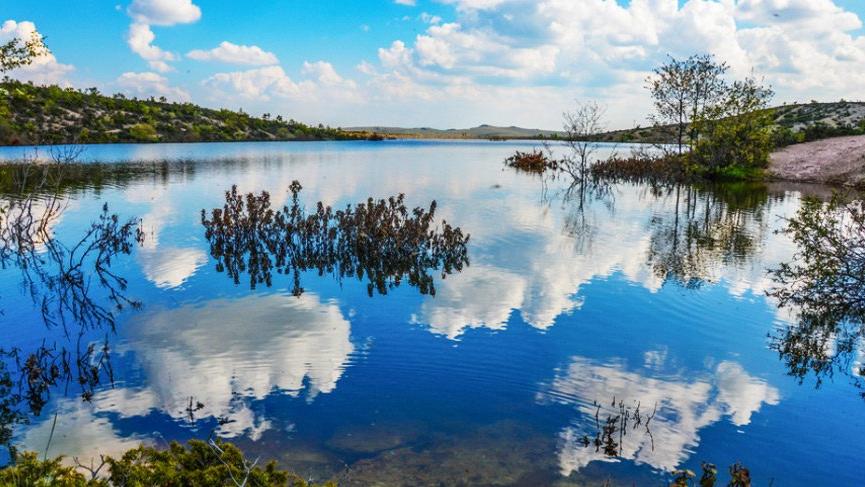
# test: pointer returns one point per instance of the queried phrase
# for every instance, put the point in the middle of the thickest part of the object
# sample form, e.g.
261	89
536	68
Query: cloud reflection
684	407
224	353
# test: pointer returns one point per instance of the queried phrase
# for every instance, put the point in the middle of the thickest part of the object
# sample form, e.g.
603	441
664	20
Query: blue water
568	305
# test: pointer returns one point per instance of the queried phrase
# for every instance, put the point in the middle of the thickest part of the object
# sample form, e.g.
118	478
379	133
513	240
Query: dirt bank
839	160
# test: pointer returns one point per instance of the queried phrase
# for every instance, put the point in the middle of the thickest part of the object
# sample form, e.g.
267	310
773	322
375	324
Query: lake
616	334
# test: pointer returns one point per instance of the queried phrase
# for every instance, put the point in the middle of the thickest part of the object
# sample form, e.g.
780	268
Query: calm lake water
573	310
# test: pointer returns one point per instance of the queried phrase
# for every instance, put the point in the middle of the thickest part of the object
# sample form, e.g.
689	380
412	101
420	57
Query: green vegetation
722	129
18	52
197	464
734	135
31	114
796	124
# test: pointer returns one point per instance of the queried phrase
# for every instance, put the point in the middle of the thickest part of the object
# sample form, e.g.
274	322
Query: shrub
737	132
198	464
143	132
535	161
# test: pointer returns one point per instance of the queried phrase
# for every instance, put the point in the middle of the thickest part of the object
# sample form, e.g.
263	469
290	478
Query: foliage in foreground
199	463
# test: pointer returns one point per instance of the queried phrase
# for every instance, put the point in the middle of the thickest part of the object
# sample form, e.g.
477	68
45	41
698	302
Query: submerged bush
640	169
535	161
381	242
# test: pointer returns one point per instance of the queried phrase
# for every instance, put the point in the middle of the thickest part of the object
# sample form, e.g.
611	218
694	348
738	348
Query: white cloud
321	83
408	3
430	19
140	39
257	84
164	12
230	53
147	84
325	74
44	69
145	13
397	55
602	49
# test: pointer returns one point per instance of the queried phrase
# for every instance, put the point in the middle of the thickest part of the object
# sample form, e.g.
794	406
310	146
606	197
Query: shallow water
572	310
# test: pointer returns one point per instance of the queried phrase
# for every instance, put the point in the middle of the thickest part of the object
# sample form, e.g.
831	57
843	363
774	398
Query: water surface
642	302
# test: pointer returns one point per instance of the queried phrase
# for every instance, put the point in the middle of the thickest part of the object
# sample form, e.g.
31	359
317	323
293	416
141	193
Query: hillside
49	114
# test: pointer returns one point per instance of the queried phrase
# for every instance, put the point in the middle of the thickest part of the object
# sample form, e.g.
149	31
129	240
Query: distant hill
50	114
480	132
822	119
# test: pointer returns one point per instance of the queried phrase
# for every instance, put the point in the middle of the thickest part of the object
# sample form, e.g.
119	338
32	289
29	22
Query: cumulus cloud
164	12
145	13
44	69
320	83
256	84
149	84
230	53
140	39
601	49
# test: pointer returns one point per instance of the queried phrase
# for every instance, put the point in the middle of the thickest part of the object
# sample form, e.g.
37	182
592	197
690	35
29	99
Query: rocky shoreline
839	160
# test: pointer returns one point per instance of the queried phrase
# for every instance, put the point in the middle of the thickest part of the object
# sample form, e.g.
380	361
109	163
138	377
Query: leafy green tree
19	52
736	131
683	91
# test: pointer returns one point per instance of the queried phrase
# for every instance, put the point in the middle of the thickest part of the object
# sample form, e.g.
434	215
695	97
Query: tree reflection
381	242
825	286
708	226
73	287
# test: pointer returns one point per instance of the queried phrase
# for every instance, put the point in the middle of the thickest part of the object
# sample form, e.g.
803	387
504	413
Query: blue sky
445	63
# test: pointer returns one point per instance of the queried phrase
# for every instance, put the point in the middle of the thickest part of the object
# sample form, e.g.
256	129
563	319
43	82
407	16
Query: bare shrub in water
382	242
536	161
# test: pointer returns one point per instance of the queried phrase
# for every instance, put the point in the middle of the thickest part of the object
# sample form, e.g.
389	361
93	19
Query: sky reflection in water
656	299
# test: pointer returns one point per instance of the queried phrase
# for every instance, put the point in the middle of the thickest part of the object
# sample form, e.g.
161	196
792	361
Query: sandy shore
838	160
